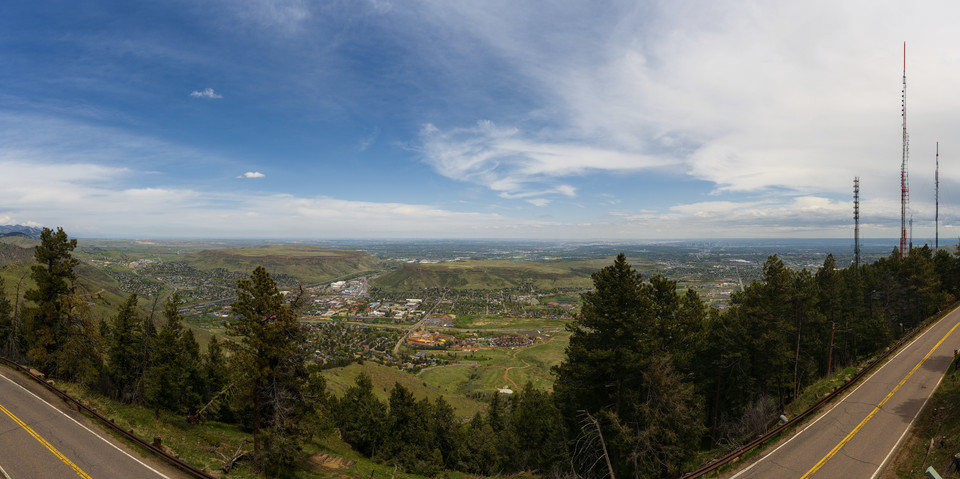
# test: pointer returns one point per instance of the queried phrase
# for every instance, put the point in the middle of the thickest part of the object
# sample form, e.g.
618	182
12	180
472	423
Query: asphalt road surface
856	436
41	438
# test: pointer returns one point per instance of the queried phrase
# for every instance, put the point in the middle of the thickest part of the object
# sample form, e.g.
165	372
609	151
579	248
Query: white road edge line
825	413
4	473
909	427
85	427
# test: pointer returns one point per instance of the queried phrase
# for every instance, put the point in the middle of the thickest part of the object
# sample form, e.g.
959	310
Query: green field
384	377
495	274
529	364
488	322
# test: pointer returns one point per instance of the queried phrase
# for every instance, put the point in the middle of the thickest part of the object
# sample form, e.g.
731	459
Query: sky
618	120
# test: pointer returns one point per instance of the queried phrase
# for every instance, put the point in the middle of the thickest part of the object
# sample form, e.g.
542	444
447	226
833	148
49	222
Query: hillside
310	264
384	377
14	253
99	289
491	274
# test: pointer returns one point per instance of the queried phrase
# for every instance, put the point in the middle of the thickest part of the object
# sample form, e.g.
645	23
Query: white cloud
507	161
252	174
756	98
206	93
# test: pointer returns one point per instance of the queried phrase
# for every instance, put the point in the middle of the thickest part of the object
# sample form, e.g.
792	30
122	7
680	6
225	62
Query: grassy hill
384	377
311	264
96	287
11	253
494	274
18	239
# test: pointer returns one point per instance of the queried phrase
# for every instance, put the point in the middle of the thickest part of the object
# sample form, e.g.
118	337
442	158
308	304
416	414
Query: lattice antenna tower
936	217
904	179
856	221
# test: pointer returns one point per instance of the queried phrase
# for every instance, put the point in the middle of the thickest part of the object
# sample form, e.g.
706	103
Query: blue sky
496	119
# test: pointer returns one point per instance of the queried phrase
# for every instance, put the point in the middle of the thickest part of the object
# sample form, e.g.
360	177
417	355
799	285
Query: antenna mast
856	221
936	179
904	180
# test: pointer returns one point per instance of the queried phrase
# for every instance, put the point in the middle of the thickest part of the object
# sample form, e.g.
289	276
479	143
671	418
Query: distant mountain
31	231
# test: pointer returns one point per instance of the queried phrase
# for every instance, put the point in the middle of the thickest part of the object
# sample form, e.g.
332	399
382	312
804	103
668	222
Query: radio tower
904	180
936	179
856	221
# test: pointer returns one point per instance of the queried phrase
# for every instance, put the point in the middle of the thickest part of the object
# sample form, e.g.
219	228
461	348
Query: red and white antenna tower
936	179
904	179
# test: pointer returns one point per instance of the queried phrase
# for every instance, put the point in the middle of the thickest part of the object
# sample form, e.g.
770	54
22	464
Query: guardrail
737	453
127	434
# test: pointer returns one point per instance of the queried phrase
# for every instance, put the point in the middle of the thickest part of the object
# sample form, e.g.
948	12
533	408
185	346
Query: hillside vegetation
18	239
311	264
384	378
491	274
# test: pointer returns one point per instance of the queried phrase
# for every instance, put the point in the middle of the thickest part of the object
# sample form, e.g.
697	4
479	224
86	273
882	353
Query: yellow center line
46	444
855	430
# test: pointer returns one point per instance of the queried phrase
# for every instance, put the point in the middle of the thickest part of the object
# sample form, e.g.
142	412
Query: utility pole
936	179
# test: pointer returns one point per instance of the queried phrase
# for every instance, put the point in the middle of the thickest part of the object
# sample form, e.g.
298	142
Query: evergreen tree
175	380
218	379
9	339
124	353
616	370
194	386
538	431
361	416
478	453
279	391
46	325
409	434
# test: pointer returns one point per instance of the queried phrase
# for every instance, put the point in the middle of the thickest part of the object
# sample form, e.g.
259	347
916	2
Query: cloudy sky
494	119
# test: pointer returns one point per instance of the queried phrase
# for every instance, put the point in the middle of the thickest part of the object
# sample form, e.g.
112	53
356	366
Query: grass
194	444
495	274
530	364
198	444
483	322
384	377
815	392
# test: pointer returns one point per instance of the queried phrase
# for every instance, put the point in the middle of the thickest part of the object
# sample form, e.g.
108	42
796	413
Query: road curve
858	434
39	440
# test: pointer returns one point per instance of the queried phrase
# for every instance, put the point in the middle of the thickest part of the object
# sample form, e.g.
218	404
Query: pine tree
617	371
46	325
9	339
124	353
361	416
279	390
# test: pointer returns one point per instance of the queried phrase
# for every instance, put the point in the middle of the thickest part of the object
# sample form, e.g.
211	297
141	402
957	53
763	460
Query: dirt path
507	371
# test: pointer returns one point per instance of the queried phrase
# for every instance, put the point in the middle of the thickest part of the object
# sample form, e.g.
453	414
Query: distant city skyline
430	119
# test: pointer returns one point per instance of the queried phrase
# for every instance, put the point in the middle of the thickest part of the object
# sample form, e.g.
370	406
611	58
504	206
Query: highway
857	435
41	438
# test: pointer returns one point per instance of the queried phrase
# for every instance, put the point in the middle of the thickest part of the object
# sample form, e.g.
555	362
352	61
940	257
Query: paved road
856	436
38	440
